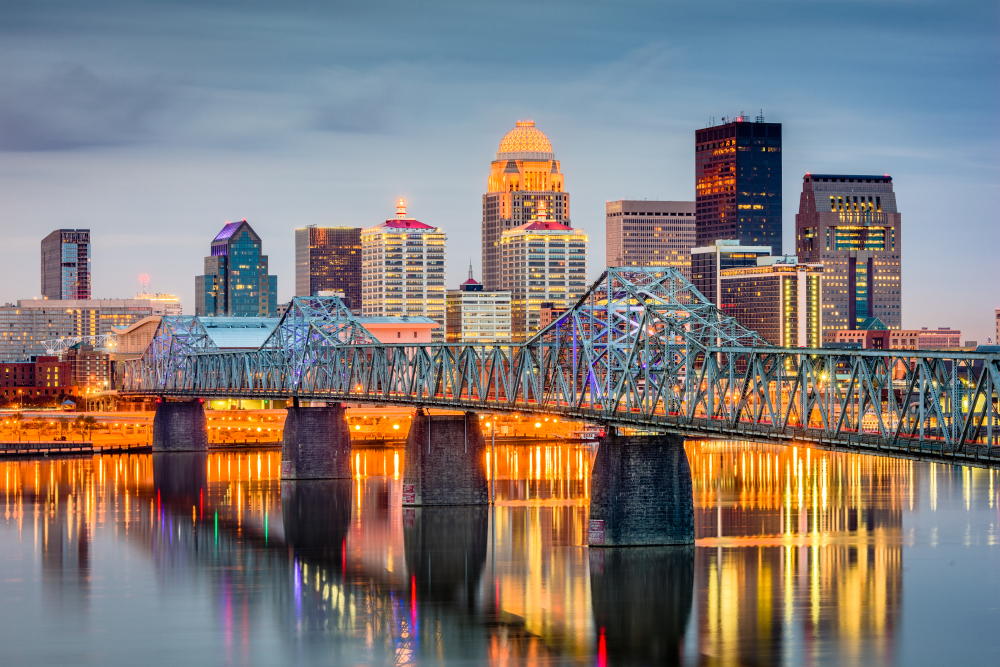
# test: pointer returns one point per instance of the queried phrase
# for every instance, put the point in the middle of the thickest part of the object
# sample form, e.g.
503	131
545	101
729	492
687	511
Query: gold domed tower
524	179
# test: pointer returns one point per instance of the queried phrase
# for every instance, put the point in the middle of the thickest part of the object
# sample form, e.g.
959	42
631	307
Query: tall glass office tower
236	282
738	183
329	259
66	264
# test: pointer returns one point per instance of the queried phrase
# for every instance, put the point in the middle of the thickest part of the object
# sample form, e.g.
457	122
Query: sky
154	123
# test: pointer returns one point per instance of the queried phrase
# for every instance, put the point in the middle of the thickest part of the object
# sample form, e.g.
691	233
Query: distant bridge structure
642	349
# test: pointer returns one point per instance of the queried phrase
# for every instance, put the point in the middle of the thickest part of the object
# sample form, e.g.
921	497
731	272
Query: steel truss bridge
641	349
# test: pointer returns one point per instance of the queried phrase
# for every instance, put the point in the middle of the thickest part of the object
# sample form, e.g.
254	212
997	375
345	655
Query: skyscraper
542	262
403	270
236	282
329	259
66	264
738	183
524	174
650	233
851	225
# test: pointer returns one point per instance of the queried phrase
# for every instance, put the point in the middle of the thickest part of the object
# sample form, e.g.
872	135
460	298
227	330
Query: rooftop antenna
470	268
760	118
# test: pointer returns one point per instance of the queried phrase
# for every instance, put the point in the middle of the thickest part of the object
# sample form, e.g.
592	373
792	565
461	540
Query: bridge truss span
641	349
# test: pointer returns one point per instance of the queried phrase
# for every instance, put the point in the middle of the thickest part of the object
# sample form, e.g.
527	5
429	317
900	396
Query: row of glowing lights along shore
744	475
814	493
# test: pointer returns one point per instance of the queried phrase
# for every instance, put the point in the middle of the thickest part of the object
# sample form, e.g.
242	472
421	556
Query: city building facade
941	338
163	304
542	262
66	264
738	183
524	177
405	329
477	316
25	325
779	299
236	282
403	269
708	262
650	233
91	370
329	259
850	224
548	313
43	377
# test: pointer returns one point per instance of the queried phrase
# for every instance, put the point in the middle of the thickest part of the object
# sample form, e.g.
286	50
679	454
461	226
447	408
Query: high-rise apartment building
542	262
236	282
328	259
851	225
738	183
524	176
779	299
477	316
650	233
402	270
707	264
66	264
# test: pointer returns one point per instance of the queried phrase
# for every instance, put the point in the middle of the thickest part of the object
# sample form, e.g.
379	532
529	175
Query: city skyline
151	185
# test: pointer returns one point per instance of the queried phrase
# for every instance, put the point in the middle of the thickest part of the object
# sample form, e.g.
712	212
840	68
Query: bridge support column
445	461
316	443
640	492
179	426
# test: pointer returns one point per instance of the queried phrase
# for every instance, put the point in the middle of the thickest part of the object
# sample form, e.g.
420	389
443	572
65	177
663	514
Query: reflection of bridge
635	351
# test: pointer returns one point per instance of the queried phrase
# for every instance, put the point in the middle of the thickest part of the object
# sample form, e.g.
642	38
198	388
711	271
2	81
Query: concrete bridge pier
445	461
640	492
316	443
180	426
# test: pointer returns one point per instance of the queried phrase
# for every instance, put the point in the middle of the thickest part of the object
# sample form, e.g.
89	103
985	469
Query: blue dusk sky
153	123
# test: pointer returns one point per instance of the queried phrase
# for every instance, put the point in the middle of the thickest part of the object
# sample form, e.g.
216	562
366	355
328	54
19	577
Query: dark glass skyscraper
236	282
738	183
66	264
329	259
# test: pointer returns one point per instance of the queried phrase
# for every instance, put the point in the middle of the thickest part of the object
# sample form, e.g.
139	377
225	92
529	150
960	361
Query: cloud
366	115
74	108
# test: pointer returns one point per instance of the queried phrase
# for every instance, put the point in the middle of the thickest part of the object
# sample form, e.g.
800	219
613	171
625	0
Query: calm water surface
803	557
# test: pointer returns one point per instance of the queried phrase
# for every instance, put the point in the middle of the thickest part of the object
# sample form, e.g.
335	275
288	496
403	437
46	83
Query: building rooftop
408	223
850	177
228	230
239	332
405	319
539	226
525	142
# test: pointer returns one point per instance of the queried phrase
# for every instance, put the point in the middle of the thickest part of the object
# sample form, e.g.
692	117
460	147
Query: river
802	557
